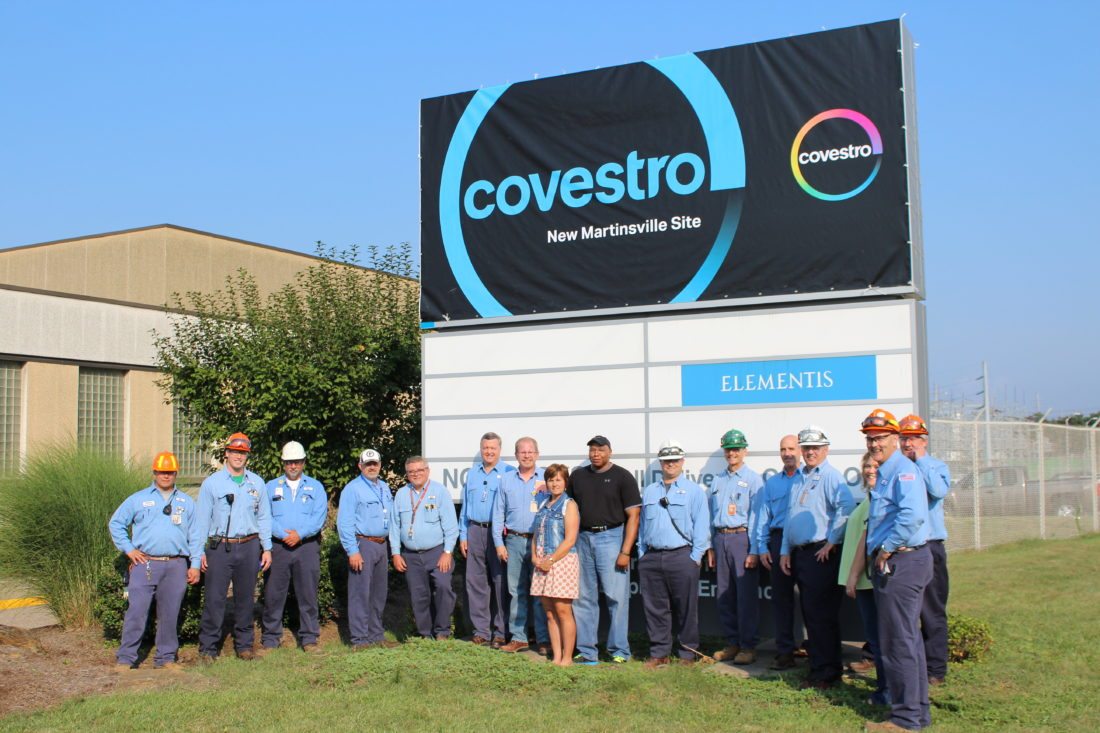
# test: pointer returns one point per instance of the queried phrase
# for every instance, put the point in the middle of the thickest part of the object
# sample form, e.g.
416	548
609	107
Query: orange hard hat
166	462
239	441
912	425
880	421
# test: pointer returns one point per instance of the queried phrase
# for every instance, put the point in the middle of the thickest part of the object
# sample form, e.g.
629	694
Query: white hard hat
670	450
293	451
812	435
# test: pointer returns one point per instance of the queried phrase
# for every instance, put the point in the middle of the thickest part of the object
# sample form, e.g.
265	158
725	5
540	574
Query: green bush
53	525
968	639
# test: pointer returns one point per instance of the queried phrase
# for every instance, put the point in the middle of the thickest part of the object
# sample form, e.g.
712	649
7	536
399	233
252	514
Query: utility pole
987	408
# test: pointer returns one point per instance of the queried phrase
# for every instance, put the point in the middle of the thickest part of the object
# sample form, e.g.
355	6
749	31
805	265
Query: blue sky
285	123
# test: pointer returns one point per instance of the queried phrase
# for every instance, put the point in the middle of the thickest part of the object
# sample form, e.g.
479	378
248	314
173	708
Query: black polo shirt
602	498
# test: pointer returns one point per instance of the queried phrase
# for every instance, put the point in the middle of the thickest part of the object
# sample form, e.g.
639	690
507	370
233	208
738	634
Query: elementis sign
759	173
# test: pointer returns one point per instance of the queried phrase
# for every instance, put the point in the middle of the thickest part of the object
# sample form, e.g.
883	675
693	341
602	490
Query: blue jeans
598	552
519	587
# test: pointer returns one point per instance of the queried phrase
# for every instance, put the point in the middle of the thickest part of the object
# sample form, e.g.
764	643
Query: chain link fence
1017	480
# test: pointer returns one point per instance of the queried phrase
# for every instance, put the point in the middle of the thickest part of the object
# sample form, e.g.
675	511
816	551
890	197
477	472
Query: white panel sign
692	377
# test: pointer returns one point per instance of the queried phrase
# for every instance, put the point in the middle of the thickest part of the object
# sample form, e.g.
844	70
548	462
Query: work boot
515	645
727	653
783	661
863	666
656	663
746	656
246	655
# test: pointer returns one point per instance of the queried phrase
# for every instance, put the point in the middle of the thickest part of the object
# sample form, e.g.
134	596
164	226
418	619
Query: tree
331	360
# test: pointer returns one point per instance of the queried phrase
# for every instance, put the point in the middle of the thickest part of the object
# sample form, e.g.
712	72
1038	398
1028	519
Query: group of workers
545	545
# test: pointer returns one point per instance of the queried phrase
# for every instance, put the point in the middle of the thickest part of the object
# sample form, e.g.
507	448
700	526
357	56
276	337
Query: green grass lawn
1040	598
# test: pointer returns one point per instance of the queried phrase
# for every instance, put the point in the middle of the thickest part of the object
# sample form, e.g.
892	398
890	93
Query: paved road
21	608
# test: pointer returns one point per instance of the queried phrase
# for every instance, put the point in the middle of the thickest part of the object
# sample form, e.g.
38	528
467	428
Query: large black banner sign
769	171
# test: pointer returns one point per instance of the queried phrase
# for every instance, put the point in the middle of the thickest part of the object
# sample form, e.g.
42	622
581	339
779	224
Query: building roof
146	266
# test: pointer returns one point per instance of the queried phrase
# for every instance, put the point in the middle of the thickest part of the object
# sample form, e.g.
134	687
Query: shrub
53	525
968	639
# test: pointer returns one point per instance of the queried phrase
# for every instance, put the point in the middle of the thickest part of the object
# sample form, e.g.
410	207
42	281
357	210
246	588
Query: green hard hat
734	439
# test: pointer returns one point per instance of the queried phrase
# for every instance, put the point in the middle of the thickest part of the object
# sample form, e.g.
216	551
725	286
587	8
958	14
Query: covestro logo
811	156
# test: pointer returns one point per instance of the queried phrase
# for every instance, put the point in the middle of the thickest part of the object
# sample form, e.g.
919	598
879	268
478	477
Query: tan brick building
76	345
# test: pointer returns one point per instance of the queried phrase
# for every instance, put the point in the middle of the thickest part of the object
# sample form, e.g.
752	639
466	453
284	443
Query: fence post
974	485
1094	487
1042	487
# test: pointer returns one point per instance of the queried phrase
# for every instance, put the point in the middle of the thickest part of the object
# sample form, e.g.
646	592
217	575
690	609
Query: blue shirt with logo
734	501
479	494
423	519
684	521
250	512
366	508
818	507
516	504
303	511
154	532
899	506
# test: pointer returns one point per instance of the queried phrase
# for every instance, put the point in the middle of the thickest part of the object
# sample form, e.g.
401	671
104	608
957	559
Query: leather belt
166	558
667	549
601	527
524	535
732	530
811	545
375	540
486	525
907	549
237	540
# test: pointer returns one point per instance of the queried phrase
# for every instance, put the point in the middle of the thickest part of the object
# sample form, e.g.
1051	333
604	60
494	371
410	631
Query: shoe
246	655
361	647
124	667
311	648
863	666
809	684
727	653
170	666
783	661
496	643
544	648
656	663
746	656
885	725
515	646
207	658
801	652
585	661
479	641
879	699
619	660
387	644
935	681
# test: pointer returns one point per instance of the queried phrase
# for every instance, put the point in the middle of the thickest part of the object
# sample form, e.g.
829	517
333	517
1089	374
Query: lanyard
412	490
375	488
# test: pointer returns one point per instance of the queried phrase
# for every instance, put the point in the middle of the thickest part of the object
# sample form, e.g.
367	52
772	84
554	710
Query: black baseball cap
600	441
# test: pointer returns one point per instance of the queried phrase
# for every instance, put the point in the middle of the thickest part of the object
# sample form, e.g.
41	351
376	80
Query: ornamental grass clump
53	525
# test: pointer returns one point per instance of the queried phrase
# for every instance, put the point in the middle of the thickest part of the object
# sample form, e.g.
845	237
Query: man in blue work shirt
673	536
775	497
234	518
937	480
734	500
422	540
817	511
363	521
897	542
299	508
164	550
485	596
517	501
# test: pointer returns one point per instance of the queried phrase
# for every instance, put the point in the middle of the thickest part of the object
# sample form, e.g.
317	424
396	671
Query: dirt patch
44	667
